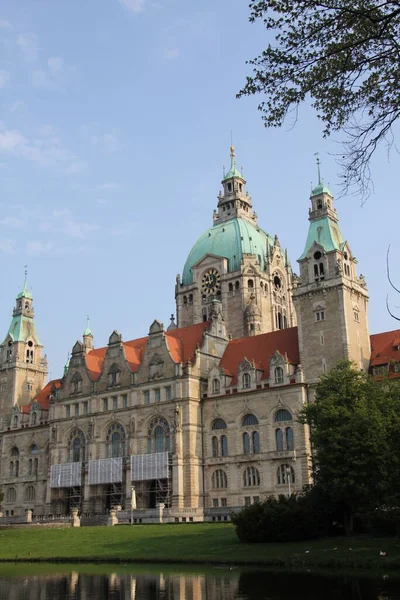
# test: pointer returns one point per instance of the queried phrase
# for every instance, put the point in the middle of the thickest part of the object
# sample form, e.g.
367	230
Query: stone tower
239	264
23	370
331	301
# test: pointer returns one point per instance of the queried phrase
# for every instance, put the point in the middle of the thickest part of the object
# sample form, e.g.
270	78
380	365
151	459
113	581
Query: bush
279	519
379	522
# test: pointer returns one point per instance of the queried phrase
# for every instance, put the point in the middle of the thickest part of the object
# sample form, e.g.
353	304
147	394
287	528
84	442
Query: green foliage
279	519
345	57
354	423
380	523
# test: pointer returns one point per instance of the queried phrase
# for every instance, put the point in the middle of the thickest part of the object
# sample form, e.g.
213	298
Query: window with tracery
76	446
114	375
115	441
251	477
158	433
219	479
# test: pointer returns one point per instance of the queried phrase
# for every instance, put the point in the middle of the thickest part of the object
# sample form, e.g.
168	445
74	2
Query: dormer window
278	375
319	204
246	381
229	187
250	284
216	386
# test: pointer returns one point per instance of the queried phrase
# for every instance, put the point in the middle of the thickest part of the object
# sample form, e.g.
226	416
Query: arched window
246	443
115	441
34	418
15	451
321	270
246	381
250	284
219	479
76	446
251	477
30	466
15	421
190	298
289	438
158	436
218	424
285	472
237	285
278	375
30	494
316	274
34	449
184	299
11	495
16	468
224	445
279	440
12	468
230	287
282	415
215	386
214	444
249	420
256	442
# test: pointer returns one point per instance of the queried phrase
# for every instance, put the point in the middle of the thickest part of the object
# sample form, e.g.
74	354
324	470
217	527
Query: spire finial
26	274
318	167
87	330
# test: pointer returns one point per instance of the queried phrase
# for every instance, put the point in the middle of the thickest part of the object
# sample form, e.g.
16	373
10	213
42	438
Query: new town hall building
201	416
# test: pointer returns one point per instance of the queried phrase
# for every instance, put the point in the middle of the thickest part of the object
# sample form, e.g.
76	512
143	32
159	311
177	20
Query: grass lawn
201	543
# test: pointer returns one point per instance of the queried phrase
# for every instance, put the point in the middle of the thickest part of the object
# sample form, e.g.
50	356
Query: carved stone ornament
131	426
90	433
54	435
245	365
156	366
177	418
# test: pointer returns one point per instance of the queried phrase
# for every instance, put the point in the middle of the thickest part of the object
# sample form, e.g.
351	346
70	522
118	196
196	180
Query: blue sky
114	126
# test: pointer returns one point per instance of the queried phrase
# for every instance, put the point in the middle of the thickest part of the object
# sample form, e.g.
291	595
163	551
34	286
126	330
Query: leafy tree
354	424
345	56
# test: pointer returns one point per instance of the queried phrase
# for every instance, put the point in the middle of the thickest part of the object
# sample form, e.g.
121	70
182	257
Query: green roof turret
87	330
320	188
233	172
25	292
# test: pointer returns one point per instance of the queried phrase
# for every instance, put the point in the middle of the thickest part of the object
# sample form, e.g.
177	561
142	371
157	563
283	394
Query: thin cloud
107	142
63	222
134	6
46	151
4	78
108	186
12	222
28	46
171	53
53	75
16	105
7	246
5	24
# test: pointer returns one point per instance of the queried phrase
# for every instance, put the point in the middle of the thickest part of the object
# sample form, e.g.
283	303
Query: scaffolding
151	474
107	474
66	487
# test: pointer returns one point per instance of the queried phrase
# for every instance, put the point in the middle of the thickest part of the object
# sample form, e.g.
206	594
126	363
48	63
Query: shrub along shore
195	543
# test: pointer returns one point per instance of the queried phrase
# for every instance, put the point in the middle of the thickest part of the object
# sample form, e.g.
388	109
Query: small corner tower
23	370
331	301
87	337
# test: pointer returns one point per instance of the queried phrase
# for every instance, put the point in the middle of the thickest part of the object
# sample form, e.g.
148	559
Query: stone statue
177	418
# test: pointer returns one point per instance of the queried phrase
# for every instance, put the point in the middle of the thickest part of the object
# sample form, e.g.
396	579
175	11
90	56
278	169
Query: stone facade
201	416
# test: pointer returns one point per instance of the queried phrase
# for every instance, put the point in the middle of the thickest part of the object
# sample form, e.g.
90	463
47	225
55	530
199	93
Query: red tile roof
43	396
260	348
182	342
383	347
134	351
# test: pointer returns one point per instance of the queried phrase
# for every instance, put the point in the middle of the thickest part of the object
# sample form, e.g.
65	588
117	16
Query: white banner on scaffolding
66	476
150	466
105	470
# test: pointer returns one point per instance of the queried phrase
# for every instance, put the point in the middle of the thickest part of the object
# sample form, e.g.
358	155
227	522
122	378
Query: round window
317	255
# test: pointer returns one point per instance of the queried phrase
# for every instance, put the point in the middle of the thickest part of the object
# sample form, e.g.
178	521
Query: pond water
138	582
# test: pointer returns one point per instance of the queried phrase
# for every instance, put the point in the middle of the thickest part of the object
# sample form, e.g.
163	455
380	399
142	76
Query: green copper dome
230	240
320	189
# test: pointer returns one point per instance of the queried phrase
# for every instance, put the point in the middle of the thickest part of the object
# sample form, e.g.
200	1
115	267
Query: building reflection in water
219	585
114	586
